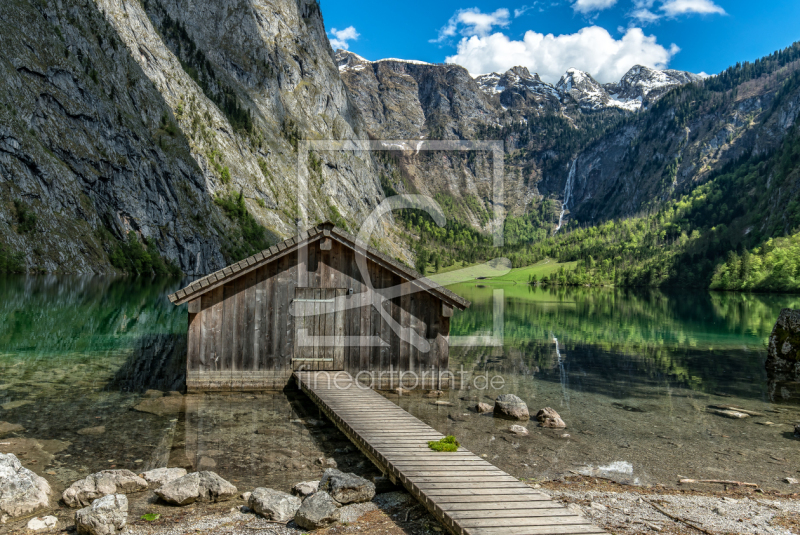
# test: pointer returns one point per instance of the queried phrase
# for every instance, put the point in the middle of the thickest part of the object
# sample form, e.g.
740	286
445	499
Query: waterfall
567	194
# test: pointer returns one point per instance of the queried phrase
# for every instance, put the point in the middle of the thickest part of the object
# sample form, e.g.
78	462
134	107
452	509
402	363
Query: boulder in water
511	407
547	417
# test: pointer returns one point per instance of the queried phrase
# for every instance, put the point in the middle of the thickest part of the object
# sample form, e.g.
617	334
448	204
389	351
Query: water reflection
631	372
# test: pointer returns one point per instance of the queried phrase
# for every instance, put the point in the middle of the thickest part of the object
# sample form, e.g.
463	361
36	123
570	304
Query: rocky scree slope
120	115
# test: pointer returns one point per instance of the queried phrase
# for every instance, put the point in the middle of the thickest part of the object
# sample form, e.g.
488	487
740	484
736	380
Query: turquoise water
631	372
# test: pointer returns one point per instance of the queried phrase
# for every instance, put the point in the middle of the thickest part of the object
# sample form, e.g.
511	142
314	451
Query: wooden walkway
464	492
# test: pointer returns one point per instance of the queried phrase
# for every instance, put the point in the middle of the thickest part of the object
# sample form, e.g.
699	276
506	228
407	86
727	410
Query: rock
483	407
162	476
728	413
519	430
317	511
434	394
163	406
15	404
511	407
7	428
92	431
273	504
81	493
791	480
351	513
197	486
783	356
443	403
42	522
346	488
21	491
206	463
547	417
737	409
597	506
326	462
305	488
106	516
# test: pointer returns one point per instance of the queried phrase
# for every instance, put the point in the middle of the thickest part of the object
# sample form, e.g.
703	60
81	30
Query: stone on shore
346	488
327	462
318	511
511	407
106	516
273	504
21	491
305	488
162	476
83	492
42	522
7	428
547	417
197	486
481	408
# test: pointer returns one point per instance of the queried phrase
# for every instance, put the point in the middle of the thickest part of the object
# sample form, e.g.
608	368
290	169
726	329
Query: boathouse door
319	344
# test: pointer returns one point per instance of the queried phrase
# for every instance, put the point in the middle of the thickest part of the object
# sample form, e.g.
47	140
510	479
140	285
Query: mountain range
175	129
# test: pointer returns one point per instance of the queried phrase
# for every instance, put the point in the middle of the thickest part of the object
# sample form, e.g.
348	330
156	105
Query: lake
632	373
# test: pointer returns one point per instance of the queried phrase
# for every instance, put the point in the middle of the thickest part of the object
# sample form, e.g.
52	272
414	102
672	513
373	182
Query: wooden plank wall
243	336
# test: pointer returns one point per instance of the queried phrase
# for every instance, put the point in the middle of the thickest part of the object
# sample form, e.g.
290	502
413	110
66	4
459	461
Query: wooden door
319	340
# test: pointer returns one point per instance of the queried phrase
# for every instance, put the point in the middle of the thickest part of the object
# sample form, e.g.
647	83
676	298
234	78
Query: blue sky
603	37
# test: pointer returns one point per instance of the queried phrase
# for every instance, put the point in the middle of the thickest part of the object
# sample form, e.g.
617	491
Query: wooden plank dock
467	494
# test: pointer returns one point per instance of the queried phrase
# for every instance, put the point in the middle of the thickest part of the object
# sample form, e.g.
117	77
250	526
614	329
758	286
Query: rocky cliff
120	116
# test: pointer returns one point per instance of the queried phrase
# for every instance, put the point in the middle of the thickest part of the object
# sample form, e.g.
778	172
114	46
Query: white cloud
341	37
521	11
592	49
588	6
645	16
685	7
471	21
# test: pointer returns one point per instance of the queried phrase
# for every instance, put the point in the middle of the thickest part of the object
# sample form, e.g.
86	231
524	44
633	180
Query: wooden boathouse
317	302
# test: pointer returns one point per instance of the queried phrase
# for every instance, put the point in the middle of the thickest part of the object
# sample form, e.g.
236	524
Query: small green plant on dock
448	443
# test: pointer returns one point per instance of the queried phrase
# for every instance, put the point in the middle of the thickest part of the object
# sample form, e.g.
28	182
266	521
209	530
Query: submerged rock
163	406
21	491
346	488
305	488
317	511
7	427
483	407
511	407
92	431
162	476
106	516
197	486
273	504
727	413
519	430
81	493
547	417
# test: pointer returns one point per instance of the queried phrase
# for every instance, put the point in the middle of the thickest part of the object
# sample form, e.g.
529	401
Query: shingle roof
203	285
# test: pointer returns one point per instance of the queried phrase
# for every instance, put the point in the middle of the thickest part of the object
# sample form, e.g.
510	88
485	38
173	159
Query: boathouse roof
326	229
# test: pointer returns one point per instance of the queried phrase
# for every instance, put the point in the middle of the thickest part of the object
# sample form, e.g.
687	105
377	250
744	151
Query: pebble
791	480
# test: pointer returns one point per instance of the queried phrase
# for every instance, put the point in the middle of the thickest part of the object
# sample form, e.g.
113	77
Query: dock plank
469	495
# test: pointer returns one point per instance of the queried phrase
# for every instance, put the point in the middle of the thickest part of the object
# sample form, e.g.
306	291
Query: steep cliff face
123	115
675	147
84	147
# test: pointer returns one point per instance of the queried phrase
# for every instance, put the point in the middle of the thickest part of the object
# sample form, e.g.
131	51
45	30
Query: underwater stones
326	462
434	394
519	430
511	407
547	417
481	408
15	404
92	431
198	486
21	491
305	488
317	511
42	522
273	504
727	413
81	493
106	516
7	428
163	406
346	488
162	476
